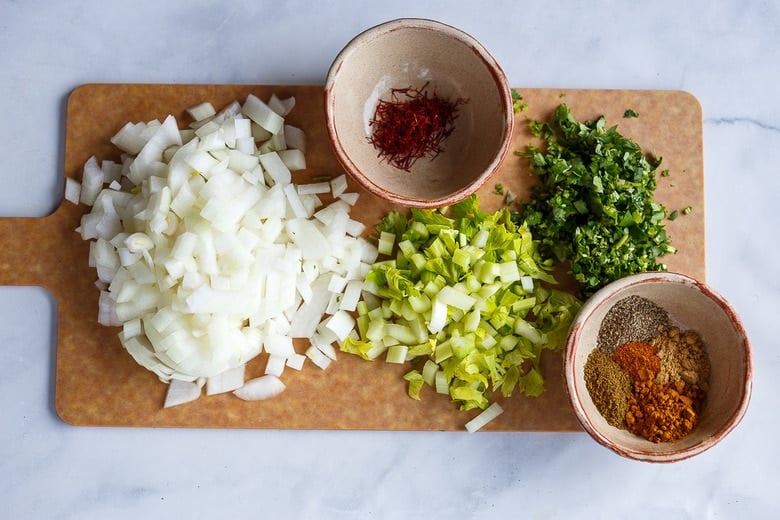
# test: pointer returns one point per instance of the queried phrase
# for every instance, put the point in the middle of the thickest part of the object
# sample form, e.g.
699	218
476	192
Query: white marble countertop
726	53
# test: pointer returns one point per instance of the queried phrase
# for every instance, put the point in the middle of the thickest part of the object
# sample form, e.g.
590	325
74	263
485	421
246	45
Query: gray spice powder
634	318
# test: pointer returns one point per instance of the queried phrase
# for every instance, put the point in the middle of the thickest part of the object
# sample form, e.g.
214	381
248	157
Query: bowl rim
499	78
587	309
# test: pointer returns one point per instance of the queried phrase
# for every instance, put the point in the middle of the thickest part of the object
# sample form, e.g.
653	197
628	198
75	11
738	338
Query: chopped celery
463	300
416	382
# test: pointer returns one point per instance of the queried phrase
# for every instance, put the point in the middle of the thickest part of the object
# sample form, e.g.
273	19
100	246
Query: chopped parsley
517	102
595	206
630	113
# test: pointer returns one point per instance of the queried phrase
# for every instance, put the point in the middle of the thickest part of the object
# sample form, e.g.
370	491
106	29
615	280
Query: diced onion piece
181	392
328	349
201	111
275	365
351	297
91	181
279	345
350	198
226	381
72	190
275	167
484	417
317	357
260	388
341	323
295	137
281	106
262	114
314	187
293	159
339	185
296	361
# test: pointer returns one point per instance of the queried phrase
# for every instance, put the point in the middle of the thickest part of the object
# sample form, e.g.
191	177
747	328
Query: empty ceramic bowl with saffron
657	367
418	112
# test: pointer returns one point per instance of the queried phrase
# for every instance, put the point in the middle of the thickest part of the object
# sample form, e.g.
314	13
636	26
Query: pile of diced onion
207	254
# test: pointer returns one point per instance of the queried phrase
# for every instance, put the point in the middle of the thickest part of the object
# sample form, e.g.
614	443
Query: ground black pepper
634	318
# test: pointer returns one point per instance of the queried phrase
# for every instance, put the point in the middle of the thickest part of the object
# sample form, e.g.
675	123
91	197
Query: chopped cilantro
673	215
630	113
499	188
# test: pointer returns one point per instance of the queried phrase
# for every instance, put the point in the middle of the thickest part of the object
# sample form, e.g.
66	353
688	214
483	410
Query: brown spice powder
683	358
609	387
663	413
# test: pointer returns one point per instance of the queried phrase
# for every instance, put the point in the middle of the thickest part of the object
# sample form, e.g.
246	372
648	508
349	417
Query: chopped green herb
630	113
595	207
664	173
499	189
517	102
673	215
687	210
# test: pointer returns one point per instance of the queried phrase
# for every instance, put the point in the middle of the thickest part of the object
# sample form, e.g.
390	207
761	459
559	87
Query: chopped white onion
207	254
226	381
201	111
180	392
317	357
72	190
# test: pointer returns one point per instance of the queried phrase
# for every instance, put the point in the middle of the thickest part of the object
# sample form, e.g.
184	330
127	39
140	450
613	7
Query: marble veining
726	54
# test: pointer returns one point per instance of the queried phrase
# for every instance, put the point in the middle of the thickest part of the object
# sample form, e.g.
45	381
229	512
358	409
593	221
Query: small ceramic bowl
691	305
443	60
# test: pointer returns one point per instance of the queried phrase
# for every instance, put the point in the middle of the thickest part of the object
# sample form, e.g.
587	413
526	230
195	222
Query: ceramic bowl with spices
418	112
657	367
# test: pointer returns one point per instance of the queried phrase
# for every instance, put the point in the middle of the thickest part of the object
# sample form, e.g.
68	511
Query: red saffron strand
411	125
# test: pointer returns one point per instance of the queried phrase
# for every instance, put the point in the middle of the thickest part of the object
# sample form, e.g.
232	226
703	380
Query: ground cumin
609	387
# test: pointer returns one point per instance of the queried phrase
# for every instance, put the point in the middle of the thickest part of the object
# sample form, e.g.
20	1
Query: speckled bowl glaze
691	305
411	52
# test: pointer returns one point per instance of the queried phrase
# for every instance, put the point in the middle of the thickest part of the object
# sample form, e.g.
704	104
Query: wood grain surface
98	383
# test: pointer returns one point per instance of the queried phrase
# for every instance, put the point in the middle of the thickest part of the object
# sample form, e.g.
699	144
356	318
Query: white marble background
727	53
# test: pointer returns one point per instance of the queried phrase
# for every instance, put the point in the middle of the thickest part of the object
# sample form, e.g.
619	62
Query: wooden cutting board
97	382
